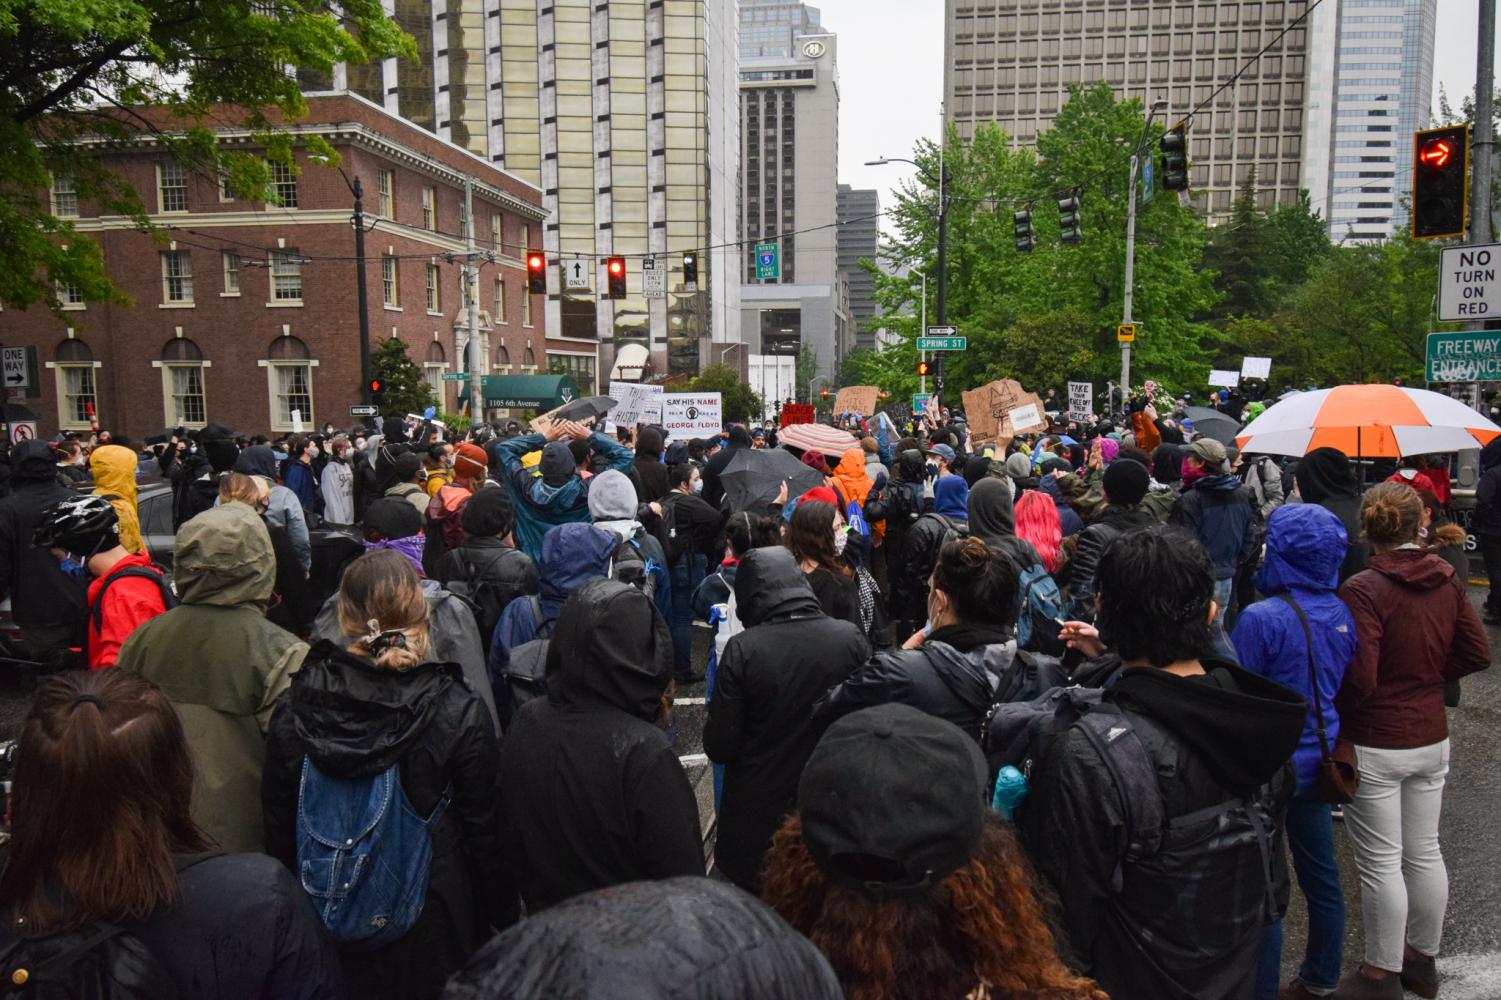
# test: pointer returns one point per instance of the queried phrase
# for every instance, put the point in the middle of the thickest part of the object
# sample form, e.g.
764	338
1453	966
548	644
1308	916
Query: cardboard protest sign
635	403
688	415
990	410
540	424
861	399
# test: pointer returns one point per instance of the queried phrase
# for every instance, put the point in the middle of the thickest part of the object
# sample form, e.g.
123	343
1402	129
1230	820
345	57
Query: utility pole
1130	293
359	256
922	327
476	361
1482	138
943	250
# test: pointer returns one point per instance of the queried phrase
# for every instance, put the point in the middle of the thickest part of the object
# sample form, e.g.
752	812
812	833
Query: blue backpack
856	519
1041	606
363	854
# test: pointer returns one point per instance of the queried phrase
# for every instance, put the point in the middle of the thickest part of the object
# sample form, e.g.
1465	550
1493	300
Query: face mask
76	570
841	539
933	614
313	452
698	486
1191	473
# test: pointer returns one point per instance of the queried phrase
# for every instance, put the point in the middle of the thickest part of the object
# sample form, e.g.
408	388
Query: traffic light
536	272
690	271
1025	239
615	277
377	390
923	367
1070	229
1440	157
1174	148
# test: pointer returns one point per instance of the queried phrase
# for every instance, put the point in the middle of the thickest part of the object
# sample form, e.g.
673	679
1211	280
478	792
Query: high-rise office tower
1012	62
626	113
1370	78
789	107
860	237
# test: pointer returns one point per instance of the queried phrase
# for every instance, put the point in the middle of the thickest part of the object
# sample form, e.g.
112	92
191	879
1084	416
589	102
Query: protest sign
797	413
859	399
540	424
688	415
1256	368
1227	379
635	403
989	409
1025	418
1080	400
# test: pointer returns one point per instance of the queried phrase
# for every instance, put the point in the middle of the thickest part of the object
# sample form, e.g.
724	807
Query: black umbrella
1213	424
587	408
754	476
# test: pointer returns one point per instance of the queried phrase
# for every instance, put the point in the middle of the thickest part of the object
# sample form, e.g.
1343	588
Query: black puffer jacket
489	560
761	716
41	594
1110	525
354	719
594	794
1188	919
646	940
956	675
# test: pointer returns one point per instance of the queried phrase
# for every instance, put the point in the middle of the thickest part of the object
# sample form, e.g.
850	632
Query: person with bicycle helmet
127	588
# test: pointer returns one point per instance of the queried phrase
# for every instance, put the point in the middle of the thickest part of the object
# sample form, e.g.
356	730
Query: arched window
73	367
502	362
529	360
289	383
184	402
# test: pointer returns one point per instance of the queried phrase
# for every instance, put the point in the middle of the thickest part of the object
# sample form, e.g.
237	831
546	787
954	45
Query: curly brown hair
983	925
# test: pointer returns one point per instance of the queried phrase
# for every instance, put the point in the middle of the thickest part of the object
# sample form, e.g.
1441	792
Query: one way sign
17	373
576	275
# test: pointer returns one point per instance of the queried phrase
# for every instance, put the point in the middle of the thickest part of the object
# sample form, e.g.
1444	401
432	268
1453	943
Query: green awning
525	392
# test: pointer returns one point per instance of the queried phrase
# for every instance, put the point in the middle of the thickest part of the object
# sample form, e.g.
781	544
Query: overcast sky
891	77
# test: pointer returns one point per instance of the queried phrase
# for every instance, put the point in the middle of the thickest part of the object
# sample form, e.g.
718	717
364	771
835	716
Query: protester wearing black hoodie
352	718
1126	483
1325	477
1207	745
760	718
713	490
594	794
651	474
47	603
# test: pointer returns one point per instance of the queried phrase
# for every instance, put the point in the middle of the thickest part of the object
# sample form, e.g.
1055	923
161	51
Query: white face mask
698	486
313	451
841	539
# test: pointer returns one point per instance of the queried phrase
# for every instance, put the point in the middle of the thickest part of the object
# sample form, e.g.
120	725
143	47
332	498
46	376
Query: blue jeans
1310	838
687	574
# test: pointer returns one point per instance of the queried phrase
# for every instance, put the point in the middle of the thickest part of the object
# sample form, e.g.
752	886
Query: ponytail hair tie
91	698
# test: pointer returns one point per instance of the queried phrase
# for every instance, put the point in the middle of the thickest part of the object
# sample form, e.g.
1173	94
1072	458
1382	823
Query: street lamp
357	220
942	183
1157	105
826	379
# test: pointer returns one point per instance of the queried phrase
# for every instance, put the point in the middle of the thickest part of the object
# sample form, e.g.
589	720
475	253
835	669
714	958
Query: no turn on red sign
1469	282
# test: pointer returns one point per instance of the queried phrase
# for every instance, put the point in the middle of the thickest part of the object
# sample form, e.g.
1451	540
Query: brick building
249	311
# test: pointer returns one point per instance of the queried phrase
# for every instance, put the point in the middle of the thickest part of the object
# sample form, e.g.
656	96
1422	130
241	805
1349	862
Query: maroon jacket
1415	629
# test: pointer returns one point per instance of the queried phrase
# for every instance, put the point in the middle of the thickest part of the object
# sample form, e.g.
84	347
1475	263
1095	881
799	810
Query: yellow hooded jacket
114	469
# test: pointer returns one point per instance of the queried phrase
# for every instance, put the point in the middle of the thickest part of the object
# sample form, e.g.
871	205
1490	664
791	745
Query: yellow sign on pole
1126	333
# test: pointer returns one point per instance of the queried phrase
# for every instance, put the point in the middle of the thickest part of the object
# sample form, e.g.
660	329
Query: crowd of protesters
988	718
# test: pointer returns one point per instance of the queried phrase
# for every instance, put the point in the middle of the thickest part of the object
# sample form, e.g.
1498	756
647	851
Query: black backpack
631	565
675	543
156	574
483	595
526	670
100	961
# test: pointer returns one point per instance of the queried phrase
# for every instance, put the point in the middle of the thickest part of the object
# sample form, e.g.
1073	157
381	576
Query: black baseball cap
892	801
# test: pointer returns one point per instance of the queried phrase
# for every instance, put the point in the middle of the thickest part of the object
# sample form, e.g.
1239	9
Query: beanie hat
870	444
470	461
1126	482
393	517
557	463
488	513
406	466
612	497
1018	466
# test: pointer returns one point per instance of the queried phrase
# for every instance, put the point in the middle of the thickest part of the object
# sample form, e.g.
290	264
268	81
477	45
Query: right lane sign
1469	281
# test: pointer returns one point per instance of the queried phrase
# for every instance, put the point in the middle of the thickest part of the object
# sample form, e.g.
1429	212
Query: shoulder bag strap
1313	678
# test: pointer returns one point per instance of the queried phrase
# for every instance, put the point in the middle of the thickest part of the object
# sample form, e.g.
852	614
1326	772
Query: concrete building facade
625	113
789	107
249	310
1370	77
859	213
1012	62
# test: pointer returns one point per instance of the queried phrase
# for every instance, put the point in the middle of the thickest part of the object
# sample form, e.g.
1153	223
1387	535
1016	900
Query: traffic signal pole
476	363
1126	299
1481	139
359	262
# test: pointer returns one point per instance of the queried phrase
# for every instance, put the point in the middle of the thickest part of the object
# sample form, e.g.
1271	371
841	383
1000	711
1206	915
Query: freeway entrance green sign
1467	356
942	343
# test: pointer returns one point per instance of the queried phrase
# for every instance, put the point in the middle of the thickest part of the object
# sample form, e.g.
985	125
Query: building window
171	187
70	295
429	199
386	183
231	272
226	193
432	373
75	395
495	232
64	197
526	238
500	302
434	292
292	393
177	276
526	309
390	285
464	221
580	366
284	183
286	276
185	403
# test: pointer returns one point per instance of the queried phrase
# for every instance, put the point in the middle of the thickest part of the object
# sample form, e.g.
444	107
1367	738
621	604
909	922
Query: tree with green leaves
403	388
740	401
79	74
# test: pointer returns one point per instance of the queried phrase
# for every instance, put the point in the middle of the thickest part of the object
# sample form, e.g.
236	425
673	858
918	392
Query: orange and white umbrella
1367	421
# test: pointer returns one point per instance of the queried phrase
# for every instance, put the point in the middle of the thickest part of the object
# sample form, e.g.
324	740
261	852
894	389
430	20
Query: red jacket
1415	629
127	603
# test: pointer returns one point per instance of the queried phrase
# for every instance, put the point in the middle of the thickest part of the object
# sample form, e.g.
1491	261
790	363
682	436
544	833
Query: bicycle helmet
82	526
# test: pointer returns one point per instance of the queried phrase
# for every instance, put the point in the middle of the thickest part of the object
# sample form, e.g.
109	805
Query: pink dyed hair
1037	522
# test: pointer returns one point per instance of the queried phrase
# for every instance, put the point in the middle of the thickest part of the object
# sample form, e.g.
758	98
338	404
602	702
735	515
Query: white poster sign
1225	379
1026	418
1080	400
692	414
635	403
1256	368
296	421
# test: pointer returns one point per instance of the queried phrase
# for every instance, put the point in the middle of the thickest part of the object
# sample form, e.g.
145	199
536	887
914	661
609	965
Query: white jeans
1393	824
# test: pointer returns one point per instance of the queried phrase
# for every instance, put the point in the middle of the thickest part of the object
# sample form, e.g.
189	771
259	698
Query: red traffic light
617	266
615	277
1436	153
825	393
534	262
376	385
536	272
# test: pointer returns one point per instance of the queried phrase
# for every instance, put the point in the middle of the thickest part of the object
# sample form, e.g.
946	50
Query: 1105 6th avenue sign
1467	356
